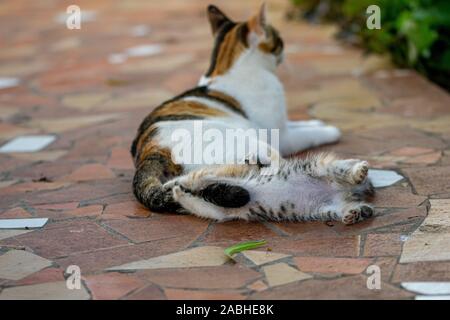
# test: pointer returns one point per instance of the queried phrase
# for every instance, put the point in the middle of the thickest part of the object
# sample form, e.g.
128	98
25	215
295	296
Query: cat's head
253	42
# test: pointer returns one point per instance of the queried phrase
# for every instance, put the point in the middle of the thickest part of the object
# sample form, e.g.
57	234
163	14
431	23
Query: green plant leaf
230	251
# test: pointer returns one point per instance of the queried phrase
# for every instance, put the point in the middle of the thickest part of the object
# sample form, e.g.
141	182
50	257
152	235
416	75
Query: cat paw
177	193
180	191
359	172
357	214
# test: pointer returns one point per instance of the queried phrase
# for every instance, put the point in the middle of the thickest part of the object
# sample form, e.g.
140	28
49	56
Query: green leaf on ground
248	245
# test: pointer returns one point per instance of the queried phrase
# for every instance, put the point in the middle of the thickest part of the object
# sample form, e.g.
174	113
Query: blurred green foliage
415	32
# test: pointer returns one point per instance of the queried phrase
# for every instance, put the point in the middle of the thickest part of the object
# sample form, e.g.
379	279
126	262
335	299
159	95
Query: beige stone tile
61	125
40	156
430	242
207	256
281	273
158	64
143	99
17	264
45	291
84	102
4	234
263	257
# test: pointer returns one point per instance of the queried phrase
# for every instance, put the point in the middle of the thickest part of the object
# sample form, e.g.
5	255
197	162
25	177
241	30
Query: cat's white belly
299	194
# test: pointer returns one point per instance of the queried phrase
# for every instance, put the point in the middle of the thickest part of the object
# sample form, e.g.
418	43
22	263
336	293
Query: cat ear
257	24
216	18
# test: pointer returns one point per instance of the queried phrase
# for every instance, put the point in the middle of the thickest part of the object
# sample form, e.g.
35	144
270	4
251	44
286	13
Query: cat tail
147	185
363	190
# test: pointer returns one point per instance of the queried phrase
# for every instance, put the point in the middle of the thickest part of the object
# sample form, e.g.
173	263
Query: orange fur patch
230	50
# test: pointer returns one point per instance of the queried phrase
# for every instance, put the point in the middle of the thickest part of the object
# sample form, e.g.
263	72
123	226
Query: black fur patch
221	33
225	195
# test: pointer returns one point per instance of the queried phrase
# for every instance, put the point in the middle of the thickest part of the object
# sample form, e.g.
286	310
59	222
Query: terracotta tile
15	213
45	275
93	210
397	197
120	159
422	271
229	233
112	286
382	244
411	151
150	292
353	287
387	266
163	227
224	277
429	180
58	206
90	172
105	258
180	294
347	246
332	265
313	229
122	210
69	238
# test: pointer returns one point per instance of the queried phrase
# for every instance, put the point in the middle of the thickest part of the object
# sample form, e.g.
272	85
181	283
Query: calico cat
240	90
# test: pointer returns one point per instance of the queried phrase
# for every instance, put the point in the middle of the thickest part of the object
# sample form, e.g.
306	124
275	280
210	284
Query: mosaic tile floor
82	93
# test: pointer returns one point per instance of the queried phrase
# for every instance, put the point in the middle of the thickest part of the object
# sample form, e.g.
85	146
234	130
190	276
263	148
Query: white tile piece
45	291
428	288
207	256
383	178
432	298
22	223
27	144
8	82
140	30
17	264
8	233
144	50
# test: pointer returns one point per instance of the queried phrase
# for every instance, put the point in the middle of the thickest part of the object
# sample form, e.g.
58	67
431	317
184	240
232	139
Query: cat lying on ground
241	90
